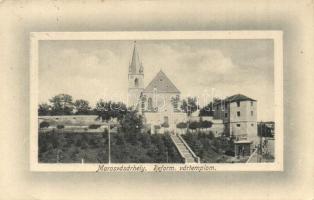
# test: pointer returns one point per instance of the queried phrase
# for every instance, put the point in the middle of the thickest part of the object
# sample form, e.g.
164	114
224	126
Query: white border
35	37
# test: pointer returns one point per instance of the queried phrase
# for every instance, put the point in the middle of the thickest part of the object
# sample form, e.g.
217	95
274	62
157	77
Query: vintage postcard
199	101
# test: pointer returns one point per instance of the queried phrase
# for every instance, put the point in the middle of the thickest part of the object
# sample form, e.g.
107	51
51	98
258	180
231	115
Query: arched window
136	82
150	104
143	102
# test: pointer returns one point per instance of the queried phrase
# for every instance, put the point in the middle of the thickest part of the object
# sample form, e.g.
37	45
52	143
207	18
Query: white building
239	115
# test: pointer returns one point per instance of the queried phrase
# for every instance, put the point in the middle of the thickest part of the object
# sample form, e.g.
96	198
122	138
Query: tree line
64	104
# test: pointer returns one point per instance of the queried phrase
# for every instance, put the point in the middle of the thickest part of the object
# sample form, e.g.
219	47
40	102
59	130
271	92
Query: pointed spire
136	65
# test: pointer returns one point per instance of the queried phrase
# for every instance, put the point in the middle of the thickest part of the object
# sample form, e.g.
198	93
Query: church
158	102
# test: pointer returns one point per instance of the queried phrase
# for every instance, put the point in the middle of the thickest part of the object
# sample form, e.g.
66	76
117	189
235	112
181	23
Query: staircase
185	151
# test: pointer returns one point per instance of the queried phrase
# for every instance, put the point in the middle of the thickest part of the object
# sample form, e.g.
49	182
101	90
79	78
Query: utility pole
109	143
57	155
260	142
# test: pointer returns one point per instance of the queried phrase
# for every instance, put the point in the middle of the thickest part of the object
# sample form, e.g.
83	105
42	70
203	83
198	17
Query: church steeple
136	79
136	66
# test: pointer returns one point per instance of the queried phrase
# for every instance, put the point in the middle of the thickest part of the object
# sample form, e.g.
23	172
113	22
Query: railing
190	150
251	156
182	156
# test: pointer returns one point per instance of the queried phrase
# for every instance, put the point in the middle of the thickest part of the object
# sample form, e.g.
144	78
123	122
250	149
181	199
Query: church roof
162	83
136	66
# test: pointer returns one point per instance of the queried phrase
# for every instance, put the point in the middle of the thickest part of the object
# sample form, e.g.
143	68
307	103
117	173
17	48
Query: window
166	119
238	114
226	115
252	113
136	82
238	125
238	103
175	102
252	124
251	103
150	104
143	103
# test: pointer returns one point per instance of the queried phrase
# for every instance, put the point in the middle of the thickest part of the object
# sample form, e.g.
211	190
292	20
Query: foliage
82	107
189	105
205	124
157	127
60	126
175	102
264	130
44	109
194	125
181	125
209	148
94	126
93	148
61	104
108	110
131	125
207	110
44	124
165	125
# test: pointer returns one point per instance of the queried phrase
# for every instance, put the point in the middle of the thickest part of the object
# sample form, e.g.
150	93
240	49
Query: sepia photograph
144	101
156	100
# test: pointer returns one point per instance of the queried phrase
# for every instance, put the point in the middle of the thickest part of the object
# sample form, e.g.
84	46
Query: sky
94	70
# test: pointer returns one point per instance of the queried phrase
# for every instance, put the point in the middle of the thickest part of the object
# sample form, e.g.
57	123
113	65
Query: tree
205	124
82	107
44	124
165	125
181	125
61	104
194	125
189	106
175	102
131	125
207	110
264	130
108	110
44	109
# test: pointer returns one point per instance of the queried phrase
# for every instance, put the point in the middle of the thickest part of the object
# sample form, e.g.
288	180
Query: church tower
136	79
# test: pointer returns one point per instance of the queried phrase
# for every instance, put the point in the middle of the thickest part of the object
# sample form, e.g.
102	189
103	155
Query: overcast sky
93	70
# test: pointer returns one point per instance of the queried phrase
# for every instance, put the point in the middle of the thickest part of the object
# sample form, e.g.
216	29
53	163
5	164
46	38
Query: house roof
238	97
162	84
235	98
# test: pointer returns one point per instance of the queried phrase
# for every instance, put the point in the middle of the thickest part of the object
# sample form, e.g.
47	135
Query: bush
44	124
181	125
211	135
94	126
60	126
165	125
230	153
157	127
206	124
194	125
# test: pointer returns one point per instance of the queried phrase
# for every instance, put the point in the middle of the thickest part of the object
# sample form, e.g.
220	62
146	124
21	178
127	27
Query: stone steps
183	149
